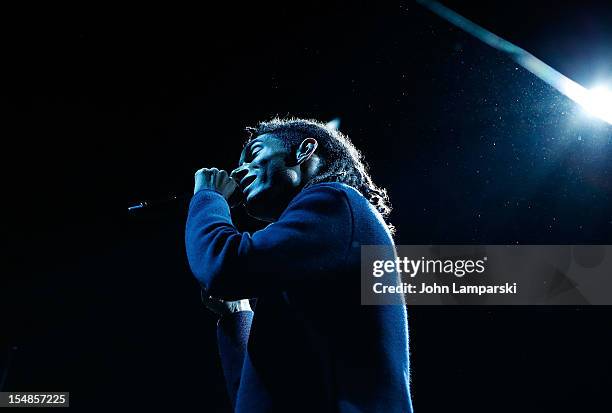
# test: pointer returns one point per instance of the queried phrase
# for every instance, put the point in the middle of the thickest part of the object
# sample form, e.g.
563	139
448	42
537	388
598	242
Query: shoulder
364	216
339	191
332	189
334	195
325	198
333	198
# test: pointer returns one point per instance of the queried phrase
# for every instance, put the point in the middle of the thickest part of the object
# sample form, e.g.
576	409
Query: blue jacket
310	345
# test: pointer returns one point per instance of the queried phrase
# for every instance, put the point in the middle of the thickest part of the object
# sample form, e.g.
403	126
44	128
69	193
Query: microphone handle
235	200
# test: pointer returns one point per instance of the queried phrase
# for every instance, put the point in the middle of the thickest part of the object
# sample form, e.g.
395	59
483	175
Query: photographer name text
408	288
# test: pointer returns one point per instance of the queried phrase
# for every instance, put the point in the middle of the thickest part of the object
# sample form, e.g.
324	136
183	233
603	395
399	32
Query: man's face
268	177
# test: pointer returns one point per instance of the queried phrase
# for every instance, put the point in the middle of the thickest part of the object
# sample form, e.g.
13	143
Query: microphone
235	200
142	205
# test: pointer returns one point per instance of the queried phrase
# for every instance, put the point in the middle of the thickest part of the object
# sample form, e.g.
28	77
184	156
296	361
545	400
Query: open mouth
246	182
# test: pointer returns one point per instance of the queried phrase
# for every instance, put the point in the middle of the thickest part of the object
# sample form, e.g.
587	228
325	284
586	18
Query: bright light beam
596	102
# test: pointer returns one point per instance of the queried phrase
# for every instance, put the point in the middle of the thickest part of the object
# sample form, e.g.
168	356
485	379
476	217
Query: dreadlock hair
341	161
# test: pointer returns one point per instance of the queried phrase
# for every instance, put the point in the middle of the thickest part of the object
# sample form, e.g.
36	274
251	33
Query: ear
306	149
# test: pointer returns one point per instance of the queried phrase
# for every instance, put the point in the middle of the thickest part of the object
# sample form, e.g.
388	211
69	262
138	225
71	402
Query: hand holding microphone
219	181
205	178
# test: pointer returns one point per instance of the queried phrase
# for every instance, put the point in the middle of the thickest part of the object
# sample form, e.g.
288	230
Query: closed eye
255	150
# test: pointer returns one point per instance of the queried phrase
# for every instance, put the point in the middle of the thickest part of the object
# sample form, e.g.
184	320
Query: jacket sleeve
232	337
309	242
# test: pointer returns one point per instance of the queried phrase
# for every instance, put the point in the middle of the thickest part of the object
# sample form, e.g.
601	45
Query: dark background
105	106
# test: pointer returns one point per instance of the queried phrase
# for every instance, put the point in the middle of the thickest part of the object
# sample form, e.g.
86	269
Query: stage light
598	103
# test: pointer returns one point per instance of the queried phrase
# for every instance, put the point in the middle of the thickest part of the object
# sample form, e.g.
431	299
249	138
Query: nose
239	173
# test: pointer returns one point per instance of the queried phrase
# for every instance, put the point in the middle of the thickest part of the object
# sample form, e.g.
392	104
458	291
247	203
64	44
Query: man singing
310	345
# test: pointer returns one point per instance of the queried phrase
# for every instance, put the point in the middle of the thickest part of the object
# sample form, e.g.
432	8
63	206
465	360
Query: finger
222	178
232	184
203	171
